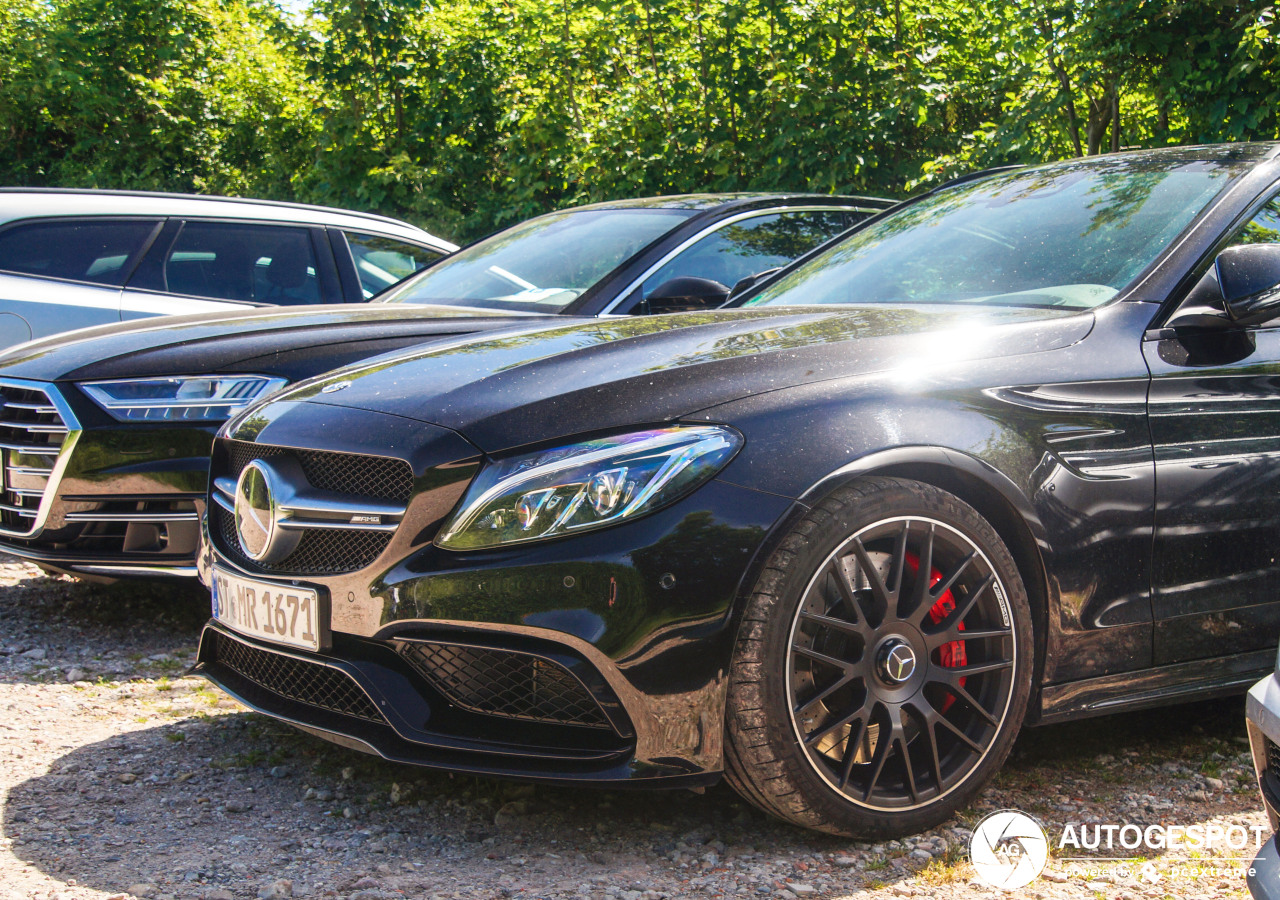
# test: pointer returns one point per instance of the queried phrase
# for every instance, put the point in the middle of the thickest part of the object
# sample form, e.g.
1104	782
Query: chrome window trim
74	431
712	229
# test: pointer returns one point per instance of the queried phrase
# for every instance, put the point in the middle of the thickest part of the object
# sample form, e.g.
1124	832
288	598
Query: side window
100	251
1263	228
382	262
751	246
251	263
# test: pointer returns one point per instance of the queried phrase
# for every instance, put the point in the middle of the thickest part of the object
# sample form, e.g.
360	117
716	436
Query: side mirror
1249	277
685	294
746	284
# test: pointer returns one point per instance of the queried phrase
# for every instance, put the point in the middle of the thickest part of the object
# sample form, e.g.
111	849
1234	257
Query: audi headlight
584	486
186	398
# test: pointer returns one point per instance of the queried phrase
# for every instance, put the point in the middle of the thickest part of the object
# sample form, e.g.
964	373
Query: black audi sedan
106	432
1006	454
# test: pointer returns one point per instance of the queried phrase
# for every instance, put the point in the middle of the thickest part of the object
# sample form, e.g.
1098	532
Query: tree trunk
1099	119
1064	85
1115	119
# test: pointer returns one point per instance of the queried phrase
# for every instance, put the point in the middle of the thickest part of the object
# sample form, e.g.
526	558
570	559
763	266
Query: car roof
1243	150
734	200
25	203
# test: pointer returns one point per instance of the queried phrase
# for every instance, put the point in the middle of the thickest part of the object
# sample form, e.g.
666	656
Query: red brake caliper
951	654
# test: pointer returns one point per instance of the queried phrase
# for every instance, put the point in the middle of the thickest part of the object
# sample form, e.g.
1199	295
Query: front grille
320	551
328	551
506	683
343	473
295	679
32	433
1273	760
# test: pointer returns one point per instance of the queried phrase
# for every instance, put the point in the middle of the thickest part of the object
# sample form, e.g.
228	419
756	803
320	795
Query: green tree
158	94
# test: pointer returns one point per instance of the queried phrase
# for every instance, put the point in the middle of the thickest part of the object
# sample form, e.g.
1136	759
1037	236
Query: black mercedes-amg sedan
105	432
1006	454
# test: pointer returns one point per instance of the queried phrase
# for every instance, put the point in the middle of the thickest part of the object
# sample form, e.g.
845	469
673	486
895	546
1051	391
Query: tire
842	642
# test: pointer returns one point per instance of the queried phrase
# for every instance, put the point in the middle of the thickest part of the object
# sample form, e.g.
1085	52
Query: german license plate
283	614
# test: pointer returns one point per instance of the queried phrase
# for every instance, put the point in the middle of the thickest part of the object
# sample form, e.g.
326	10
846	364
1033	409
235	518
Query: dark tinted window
753	245
101	252
252	263
381	261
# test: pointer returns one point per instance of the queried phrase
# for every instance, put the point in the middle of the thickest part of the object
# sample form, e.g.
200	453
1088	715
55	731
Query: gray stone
76	674
35	653
145	889
280	889
511	812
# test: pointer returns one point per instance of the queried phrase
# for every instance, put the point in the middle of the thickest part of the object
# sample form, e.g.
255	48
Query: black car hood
508	391
240	341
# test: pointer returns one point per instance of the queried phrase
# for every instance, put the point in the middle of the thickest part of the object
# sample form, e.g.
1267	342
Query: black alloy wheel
884	663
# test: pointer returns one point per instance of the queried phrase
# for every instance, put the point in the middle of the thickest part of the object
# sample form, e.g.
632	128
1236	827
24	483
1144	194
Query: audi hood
503	391
272	337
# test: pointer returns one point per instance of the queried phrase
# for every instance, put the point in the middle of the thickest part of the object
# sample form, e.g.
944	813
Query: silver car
72	259
1262	716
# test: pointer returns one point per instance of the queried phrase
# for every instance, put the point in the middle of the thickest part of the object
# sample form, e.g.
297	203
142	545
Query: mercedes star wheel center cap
897	662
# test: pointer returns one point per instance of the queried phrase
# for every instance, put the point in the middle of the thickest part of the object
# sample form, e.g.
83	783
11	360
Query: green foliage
467	115
152	94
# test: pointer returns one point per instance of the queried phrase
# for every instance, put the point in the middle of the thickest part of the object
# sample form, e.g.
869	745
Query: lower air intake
295	679
507	683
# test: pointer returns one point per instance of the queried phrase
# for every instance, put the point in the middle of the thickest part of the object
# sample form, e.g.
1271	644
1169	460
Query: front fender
1062	468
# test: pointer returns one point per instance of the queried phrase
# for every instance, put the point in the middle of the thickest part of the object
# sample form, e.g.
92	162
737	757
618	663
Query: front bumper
641	615
1262	718
369	696
126	500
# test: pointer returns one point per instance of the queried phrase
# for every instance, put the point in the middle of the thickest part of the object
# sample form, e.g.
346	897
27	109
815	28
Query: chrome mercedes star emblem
257	514
897	662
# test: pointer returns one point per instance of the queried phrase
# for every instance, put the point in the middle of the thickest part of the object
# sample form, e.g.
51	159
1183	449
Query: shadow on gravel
236	801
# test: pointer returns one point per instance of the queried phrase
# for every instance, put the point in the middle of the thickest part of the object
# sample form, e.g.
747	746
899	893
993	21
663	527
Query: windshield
1067	235
543	264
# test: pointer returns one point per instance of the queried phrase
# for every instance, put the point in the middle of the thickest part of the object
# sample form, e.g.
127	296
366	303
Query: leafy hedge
465	115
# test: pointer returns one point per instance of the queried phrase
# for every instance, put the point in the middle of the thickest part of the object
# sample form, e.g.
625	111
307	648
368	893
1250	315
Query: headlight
186	398
584	486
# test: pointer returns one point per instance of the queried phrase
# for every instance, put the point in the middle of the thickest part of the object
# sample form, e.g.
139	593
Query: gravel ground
121	778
